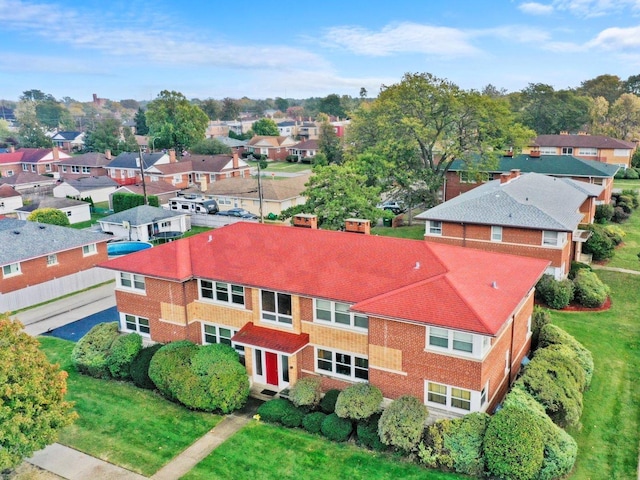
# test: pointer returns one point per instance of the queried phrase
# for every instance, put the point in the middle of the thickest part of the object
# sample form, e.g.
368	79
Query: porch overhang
284	342
581	236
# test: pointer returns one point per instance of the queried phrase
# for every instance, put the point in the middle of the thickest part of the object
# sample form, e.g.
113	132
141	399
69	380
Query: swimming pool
116	249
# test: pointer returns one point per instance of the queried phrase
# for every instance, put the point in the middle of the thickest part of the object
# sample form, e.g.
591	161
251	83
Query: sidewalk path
614	269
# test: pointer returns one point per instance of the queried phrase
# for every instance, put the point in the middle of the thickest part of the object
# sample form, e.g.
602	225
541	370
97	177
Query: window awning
581	236
285	342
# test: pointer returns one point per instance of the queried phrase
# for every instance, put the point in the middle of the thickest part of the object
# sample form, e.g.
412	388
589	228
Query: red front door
271	359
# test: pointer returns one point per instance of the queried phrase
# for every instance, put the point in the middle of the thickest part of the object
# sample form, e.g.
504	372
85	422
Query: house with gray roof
97	188
127	168
10	199
461	178
146	223
527	214
76	210
40	262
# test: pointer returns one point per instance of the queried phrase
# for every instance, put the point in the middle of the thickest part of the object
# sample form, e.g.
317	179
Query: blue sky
215	49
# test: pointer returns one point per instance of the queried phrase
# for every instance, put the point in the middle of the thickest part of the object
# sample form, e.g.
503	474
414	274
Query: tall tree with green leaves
210	146
230	109
103	135
332	105
265	126
328	142
140	120
175	122
282	104
607	86
624	116
212	108
32	390
52	216
423	124
335	193
30	132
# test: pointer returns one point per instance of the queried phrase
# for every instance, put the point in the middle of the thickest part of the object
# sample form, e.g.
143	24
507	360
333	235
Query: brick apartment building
449	325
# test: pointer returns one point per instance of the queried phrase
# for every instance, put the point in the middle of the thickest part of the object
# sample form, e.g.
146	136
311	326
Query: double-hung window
453	341
90	249
549	238
222	292
134	323
496	233
10	270
132	281
220	334
567	150
340	364
276	307
435	227
448	397
52	259
338	313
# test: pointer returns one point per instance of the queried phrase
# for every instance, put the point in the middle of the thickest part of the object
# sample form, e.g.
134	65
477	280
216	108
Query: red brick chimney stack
305	220
236	163
172	156
56	155
107	154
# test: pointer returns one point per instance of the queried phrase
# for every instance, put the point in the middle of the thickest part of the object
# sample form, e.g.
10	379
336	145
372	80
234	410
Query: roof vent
417	266
41	227
210	238
494	284
16	232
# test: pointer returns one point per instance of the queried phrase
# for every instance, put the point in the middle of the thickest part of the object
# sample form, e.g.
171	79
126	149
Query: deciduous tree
265	126
141	122
51	216
210	146
32	390
329	142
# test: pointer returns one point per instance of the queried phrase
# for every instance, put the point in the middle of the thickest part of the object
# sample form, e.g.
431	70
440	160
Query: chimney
305	220
236	164
357	225
534	153
172	156
508	153
515	173
107	154
564	132
582	133
56	155
12	149
505	177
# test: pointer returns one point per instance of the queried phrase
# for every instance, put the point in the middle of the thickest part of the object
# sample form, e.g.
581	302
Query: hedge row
586	289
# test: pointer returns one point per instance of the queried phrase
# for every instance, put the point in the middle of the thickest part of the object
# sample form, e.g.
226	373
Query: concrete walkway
614	269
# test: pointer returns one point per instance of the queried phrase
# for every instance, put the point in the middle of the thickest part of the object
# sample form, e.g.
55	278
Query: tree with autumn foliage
32	390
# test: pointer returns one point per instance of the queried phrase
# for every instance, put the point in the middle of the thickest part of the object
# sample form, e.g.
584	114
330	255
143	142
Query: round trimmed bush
328	401
557	294
367	432
513	445
358	401
619	215
553	335
589	290
306	392
170	367
336	428
402	423
539	318
576	267
273	410
631	174
599	244
312	422
604	213
615	233
139	369
464	443
293	417
90	354
123	350
207	356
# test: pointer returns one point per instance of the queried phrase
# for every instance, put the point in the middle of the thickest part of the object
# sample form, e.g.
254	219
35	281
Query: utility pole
144	185
259	161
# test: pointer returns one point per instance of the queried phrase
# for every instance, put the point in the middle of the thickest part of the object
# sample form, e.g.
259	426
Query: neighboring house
308	131
217	128
126	168
32	183
97	188
145	223
275	148
446	324
68	141
199	169
42	160
532	215
459	180
76	210
41	262
277	194
10	199
288	128
10	162
590	147
91	164
305	149
236	146
163	190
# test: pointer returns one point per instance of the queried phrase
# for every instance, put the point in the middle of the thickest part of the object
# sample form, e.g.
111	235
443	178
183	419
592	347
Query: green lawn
626	255
626	184
608	442
195	230
288	167
263	451
122	424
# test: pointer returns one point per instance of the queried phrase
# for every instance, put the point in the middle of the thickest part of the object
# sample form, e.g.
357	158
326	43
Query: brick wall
37	271
454	187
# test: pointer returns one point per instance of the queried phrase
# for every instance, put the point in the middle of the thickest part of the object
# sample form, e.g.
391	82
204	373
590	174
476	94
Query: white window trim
132	279
139	328
233	330
90	249
333	373
496	233
15	273
434	227
561	238
215	300
52	260
588	151
474	401
332	322
278	315
479	344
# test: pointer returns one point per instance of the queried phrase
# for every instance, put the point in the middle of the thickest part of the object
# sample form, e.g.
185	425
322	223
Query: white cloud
596	8
516	33
401	38
535	8
617	38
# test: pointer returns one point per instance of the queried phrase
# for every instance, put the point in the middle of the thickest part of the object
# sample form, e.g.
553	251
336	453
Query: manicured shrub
556	294
273	410
90	354
123	350
431	451
553	335
599	244
560	449
328	401
615	233
402	422
170	366
293	417
306	392
539	318
464	442
555	378
576	267
631	174
619	174
604	213
226	387
336	428
358	401
626	202
619	215
207	356
139	369
312	422
367	432
632	195
513	445
589	289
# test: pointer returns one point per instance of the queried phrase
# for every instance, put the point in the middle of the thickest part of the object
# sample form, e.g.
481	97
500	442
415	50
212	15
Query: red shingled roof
271	339
391	277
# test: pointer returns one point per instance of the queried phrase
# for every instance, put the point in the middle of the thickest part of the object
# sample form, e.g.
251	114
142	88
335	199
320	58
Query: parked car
238	213
395	207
